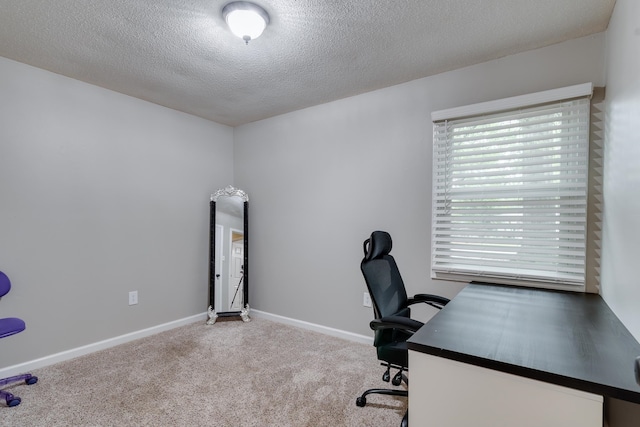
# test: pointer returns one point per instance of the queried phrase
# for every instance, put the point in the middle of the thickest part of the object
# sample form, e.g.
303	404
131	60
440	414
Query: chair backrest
5	284
386	288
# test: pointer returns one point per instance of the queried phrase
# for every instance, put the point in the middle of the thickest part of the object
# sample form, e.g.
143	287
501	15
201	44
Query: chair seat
10	326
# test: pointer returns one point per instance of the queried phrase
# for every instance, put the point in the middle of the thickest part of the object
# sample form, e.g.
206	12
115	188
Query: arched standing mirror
228	255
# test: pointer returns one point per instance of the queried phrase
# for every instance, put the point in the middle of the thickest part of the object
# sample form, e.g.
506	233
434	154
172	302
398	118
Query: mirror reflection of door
229	253
236	272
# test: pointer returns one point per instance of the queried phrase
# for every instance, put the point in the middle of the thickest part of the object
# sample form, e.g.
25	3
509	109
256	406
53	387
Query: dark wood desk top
569	339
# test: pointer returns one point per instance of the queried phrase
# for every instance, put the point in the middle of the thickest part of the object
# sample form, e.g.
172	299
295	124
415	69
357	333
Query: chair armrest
432	300
396	322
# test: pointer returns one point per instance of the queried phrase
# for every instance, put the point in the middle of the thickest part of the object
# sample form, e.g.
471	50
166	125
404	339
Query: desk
507	356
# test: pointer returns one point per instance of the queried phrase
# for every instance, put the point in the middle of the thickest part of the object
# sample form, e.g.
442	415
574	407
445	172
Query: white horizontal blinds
510	194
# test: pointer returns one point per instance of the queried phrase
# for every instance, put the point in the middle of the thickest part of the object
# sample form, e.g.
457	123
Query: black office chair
10	326
393	324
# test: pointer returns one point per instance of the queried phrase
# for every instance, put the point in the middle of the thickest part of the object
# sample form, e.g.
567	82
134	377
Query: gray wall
321	179
100	194
621	228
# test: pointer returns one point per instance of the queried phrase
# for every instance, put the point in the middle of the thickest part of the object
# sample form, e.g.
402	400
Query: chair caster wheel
361	401
14	402
397	379
31	380
386	377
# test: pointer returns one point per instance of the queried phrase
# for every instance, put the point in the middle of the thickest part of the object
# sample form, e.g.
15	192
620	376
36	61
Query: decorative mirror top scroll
228	255
230	191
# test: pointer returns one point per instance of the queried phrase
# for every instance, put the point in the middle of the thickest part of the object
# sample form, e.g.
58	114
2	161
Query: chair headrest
378	245
5	284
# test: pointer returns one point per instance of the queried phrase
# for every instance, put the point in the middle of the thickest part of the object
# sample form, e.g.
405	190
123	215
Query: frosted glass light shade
246	20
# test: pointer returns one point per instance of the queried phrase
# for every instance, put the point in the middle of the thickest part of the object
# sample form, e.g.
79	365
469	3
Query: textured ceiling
180	54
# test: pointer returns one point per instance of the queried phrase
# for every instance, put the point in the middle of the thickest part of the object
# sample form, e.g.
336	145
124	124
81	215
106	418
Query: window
510	180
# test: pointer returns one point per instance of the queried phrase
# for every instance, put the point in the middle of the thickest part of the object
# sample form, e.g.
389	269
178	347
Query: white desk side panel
446	393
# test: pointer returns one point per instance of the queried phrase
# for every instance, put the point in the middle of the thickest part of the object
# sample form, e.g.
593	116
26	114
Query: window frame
508	105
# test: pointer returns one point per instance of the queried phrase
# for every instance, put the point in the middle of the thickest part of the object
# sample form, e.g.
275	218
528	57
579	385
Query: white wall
621	234
321	179
621	223
100	194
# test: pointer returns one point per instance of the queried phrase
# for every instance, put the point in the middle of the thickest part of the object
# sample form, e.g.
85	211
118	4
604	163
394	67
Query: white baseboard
112	342
101	345
313	327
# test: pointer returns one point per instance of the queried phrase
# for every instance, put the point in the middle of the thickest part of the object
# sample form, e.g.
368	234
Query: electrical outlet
133	297
366	300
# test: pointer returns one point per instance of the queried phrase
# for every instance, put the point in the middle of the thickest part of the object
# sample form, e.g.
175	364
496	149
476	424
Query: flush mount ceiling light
245	19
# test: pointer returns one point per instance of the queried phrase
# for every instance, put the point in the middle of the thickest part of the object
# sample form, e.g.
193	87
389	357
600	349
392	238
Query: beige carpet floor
229	374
